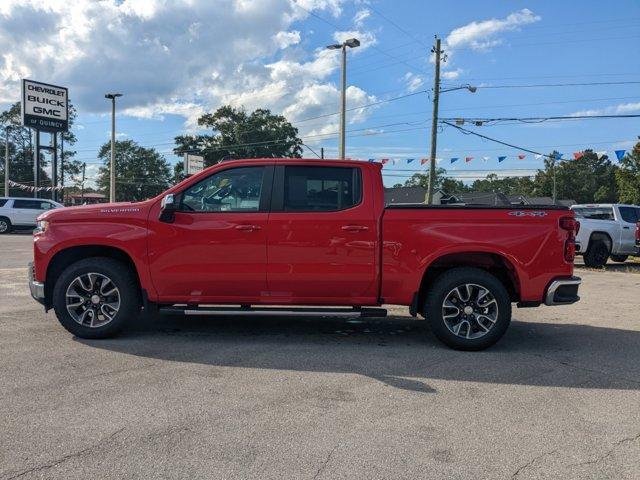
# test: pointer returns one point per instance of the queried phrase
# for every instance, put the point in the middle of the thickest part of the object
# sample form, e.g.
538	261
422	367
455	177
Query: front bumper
36	288
563	291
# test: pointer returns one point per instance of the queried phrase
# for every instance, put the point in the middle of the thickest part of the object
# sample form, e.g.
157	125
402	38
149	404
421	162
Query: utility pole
434	122
112	173
6	160
84	167
554	181
62	166
322	153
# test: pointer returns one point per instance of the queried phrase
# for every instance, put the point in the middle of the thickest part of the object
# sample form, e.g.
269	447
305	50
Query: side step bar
275	311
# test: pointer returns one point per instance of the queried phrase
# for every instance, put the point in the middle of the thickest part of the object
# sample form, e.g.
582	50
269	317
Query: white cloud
177	58
414	81
482	35
452	74
361	16
620	109
286	39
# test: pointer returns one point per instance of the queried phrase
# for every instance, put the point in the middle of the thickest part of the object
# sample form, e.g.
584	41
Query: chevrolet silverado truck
606	231
301	237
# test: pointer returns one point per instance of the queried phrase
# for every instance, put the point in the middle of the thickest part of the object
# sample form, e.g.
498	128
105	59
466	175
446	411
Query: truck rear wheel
619	258
596	255
95	297
468	308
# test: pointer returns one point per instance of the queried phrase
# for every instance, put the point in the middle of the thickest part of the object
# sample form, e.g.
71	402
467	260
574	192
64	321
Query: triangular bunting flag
559	156
578	155
502	159
620	154
521	156
538	156
409	160
454	159
468	159
601	154
423	161
384	161
438	160
485	159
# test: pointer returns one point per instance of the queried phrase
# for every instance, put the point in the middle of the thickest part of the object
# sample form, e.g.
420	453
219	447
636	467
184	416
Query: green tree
237	134
508	185
588	179
140	172
628	177
442	182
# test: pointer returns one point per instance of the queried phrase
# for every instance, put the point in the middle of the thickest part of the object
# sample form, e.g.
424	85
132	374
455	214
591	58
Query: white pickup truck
606	230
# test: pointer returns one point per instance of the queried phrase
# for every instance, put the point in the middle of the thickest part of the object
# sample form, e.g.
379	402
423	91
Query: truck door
322	236
215	250
628	218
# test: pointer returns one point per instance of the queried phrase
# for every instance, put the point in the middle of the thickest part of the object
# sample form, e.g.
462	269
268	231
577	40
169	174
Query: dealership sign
45	107
193	164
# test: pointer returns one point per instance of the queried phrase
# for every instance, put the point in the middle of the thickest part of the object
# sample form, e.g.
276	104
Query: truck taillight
571	225
638	233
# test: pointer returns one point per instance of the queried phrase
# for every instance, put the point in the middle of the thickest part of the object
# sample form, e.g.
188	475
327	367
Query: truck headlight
41	226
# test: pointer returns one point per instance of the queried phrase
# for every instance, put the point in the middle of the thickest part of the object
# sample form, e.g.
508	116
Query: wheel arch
69	255
600	235
493	263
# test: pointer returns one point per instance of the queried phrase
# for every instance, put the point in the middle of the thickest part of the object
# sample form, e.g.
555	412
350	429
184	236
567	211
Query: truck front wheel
95	297
468	308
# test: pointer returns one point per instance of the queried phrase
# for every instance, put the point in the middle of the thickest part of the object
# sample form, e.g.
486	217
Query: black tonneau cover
474	206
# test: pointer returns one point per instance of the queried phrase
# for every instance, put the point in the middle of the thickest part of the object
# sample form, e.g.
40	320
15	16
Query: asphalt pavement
289	398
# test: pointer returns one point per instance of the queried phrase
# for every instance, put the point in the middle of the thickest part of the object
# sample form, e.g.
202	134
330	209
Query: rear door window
629	214
31	204
3	202
595	213
321	189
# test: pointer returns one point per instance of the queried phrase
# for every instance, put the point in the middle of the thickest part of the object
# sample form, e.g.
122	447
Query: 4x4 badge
534	213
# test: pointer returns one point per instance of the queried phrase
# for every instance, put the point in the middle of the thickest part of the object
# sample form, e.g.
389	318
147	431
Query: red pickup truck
301	237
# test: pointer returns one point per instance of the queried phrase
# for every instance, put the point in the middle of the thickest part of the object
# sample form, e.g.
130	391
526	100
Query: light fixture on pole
351	43
112	176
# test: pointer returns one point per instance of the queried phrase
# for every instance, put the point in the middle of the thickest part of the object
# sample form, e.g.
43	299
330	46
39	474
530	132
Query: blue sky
175	61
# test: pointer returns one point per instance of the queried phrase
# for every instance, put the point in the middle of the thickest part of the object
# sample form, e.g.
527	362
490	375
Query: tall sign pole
45	108
434	123
112	168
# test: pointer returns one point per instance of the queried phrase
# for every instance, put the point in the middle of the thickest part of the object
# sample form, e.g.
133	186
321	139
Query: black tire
5	225
441	290
619	258
121	277
597	254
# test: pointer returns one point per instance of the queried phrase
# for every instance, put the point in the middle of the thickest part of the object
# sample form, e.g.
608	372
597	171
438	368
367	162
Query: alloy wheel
92	299
470	311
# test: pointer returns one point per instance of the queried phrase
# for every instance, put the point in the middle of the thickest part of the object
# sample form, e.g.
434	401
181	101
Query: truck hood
99	212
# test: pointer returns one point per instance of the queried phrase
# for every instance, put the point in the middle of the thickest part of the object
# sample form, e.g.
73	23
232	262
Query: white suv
19	212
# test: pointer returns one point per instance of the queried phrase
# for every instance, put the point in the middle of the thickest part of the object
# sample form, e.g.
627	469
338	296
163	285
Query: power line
541	85
540	119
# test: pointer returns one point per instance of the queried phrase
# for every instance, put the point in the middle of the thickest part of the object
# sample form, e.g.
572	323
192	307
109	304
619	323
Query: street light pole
343	102
112	173
6	161
351	43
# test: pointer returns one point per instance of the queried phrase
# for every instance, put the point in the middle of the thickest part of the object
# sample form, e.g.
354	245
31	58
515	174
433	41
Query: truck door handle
247	228
354	228
627	228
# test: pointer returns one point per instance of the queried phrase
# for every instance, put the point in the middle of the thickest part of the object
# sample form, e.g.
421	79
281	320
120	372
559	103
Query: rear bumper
36	288
563	291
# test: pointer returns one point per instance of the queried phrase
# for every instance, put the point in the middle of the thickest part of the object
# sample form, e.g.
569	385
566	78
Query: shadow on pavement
626	267
398	351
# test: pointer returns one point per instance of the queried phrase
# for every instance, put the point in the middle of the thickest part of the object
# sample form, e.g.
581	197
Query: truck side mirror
168	208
